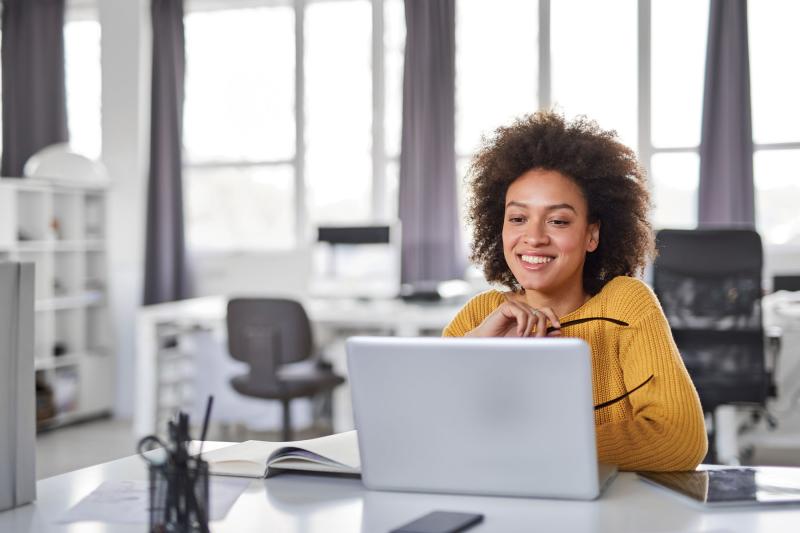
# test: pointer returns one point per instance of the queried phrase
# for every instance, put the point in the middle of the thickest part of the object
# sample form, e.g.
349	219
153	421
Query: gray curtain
428	195
166	272
34	91
726	150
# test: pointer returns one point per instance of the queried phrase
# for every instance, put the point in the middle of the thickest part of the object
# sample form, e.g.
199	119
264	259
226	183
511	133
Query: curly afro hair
607	172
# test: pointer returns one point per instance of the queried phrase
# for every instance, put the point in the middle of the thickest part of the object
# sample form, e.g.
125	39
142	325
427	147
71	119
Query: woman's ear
594	237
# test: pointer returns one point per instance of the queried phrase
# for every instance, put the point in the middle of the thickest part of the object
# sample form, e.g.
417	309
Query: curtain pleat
428	208
726	195
166	271
34	89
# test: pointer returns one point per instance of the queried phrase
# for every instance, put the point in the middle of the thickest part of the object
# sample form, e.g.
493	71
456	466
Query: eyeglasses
613	321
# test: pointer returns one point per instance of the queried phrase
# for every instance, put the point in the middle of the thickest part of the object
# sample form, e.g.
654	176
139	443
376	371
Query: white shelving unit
61	227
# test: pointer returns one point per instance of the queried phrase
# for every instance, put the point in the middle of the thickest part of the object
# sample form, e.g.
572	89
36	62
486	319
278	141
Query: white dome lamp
58	162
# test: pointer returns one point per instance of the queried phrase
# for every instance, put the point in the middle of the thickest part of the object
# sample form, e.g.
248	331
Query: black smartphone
441	522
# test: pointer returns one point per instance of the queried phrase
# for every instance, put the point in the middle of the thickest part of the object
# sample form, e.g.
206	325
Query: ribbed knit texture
658	427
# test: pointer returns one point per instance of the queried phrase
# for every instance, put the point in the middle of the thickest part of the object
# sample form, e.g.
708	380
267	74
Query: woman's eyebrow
561	206
553	207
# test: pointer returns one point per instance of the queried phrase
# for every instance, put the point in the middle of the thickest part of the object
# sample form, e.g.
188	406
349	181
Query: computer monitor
356	261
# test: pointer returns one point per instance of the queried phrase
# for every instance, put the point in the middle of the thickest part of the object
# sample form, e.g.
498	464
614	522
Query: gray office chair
270	334
709	284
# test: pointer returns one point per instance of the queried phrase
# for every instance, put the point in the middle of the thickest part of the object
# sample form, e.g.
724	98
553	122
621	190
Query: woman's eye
558	222
516	219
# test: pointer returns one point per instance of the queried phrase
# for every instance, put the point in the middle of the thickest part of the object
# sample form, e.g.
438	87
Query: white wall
276	273
125	121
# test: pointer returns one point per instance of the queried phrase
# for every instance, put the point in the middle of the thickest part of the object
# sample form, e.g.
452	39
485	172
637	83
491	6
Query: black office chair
270	334
709	284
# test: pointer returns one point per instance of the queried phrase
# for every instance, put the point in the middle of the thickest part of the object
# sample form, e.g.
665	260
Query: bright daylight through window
244	167
251	186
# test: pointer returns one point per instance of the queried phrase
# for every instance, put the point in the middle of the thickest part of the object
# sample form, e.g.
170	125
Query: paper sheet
127	501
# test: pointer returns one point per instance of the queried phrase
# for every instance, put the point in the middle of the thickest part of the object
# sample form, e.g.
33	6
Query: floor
81	445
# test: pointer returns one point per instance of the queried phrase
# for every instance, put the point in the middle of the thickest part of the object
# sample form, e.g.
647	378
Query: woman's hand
517	319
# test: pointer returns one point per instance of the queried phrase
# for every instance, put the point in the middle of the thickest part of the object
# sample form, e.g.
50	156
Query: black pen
207	417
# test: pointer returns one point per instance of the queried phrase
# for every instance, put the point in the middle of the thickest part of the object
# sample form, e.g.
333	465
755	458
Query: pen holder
179	497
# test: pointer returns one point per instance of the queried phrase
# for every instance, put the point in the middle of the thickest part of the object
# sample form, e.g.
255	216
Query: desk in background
330	318
298	503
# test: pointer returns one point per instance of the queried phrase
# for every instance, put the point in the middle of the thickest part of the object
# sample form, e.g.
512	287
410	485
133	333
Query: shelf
52	245
58	361
69	417
76	301
41	185
64	225
68	359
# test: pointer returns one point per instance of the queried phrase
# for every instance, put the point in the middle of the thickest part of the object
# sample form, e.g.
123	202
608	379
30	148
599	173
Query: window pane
594	62
674	188
240	208
678	71
239	85
496	66
1	99
392	189
462	166
777	181
394	39
339	111
82	70
775	83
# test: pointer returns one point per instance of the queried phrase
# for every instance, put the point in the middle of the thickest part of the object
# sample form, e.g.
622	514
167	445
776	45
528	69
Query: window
239	128
677	68
776	113
497	74
338	111
83	83
279	133
308	130
594	69
496	67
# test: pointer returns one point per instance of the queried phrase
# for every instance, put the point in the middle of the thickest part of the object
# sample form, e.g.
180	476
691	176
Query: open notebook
337	454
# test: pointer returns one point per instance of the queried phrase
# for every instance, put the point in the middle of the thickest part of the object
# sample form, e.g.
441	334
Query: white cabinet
61	228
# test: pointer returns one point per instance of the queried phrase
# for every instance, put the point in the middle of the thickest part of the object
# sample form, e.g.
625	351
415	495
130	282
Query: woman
560	216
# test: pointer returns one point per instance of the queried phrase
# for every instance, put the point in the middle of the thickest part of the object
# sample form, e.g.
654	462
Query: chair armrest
308	368
774	335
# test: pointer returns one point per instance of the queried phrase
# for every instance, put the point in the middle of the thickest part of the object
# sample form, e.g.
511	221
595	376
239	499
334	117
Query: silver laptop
511	417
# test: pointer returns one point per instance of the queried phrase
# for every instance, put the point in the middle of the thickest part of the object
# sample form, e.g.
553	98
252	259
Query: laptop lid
478	416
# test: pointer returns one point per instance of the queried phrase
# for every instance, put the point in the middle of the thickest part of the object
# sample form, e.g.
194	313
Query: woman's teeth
536	259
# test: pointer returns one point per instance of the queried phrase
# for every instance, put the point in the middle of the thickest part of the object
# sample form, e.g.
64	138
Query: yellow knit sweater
661	425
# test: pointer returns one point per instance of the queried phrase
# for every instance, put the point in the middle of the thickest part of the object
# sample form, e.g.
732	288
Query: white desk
395	316
292	503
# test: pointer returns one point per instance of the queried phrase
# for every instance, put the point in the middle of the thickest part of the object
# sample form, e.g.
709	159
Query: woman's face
546	233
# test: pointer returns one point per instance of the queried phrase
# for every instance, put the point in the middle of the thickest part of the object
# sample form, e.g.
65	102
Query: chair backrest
709	284
266	333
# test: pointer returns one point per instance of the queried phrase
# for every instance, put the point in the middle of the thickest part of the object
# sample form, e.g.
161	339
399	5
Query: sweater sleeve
472	314
667	431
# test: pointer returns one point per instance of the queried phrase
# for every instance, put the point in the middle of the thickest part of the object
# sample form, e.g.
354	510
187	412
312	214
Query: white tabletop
296	503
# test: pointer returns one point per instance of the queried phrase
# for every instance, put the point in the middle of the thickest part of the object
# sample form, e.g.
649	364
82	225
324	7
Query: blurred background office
218	136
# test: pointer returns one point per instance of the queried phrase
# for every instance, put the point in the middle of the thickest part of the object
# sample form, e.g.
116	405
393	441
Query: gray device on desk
510	417
18	401
733	486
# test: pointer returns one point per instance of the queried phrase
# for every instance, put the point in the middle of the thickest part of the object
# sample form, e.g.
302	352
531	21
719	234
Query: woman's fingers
538	318
514	318
551	316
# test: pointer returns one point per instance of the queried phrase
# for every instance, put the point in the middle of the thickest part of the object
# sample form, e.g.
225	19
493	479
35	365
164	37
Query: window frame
380	158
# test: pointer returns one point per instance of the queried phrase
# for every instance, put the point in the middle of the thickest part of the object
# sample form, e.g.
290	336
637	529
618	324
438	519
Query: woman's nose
535	236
